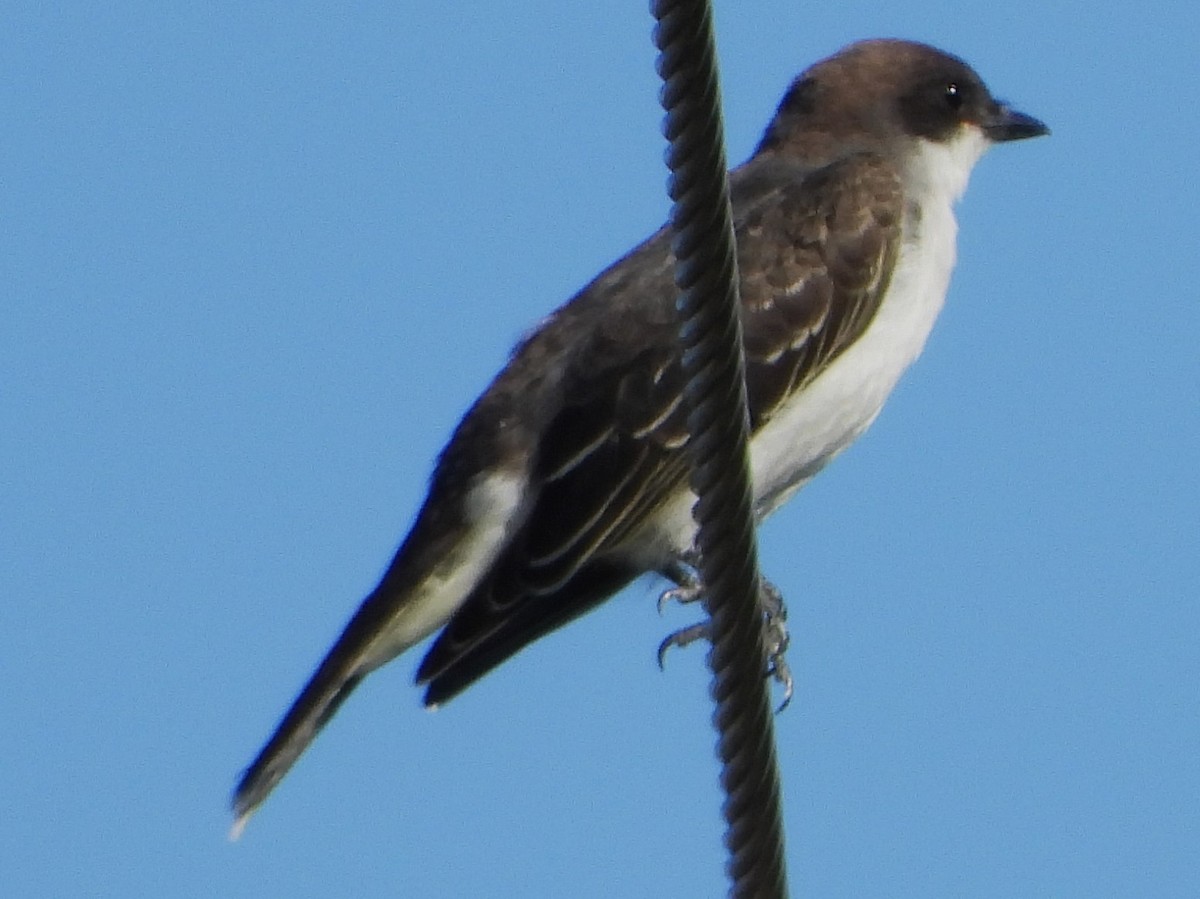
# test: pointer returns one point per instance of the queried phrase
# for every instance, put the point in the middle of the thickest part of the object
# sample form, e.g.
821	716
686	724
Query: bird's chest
820	421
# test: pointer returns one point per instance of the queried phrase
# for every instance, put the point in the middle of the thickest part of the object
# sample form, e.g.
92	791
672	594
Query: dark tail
321	697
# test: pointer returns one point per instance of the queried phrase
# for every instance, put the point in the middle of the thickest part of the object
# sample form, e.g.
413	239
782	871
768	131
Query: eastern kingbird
568	478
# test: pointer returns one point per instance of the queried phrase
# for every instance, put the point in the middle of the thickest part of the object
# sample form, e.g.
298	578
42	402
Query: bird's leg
689	589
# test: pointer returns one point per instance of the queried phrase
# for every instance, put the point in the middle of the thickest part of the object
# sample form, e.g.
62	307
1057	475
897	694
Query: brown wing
814	256
814	279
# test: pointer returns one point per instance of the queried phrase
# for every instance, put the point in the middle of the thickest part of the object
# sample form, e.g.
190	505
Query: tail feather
316	704
437	564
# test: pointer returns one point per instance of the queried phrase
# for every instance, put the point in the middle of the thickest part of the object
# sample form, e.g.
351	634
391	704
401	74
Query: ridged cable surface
711	334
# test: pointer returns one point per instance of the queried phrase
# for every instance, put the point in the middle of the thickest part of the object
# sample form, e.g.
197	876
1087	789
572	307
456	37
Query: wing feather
814	256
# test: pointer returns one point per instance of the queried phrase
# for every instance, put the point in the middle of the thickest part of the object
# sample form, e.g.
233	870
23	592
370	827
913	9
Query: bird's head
895	97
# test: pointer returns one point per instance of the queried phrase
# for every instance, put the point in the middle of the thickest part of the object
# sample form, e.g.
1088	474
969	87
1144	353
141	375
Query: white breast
839	405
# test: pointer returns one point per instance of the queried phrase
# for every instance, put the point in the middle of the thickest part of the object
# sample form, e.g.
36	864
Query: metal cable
711	335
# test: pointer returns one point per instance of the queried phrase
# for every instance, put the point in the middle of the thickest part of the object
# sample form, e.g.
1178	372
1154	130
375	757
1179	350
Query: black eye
953	95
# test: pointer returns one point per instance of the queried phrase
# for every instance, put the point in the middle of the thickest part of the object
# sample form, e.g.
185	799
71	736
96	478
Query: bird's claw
688	589
782	675
776	640
683	637
684	594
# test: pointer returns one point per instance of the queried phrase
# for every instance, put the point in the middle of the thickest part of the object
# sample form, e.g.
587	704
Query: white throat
940	171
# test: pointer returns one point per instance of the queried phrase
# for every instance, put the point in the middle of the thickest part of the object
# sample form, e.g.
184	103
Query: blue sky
259	257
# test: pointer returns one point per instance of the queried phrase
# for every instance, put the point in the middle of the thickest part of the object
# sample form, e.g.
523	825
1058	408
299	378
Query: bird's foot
681	638
688	589
776	639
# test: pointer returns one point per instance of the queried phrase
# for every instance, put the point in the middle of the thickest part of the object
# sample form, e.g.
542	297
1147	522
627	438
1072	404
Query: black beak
1006	123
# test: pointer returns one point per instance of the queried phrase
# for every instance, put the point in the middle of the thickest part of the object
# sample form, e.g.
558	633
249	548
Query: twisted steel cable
711	336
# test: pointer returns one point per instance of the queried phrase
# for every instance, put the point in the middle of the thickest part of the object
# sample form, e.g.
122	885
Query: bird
568	477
